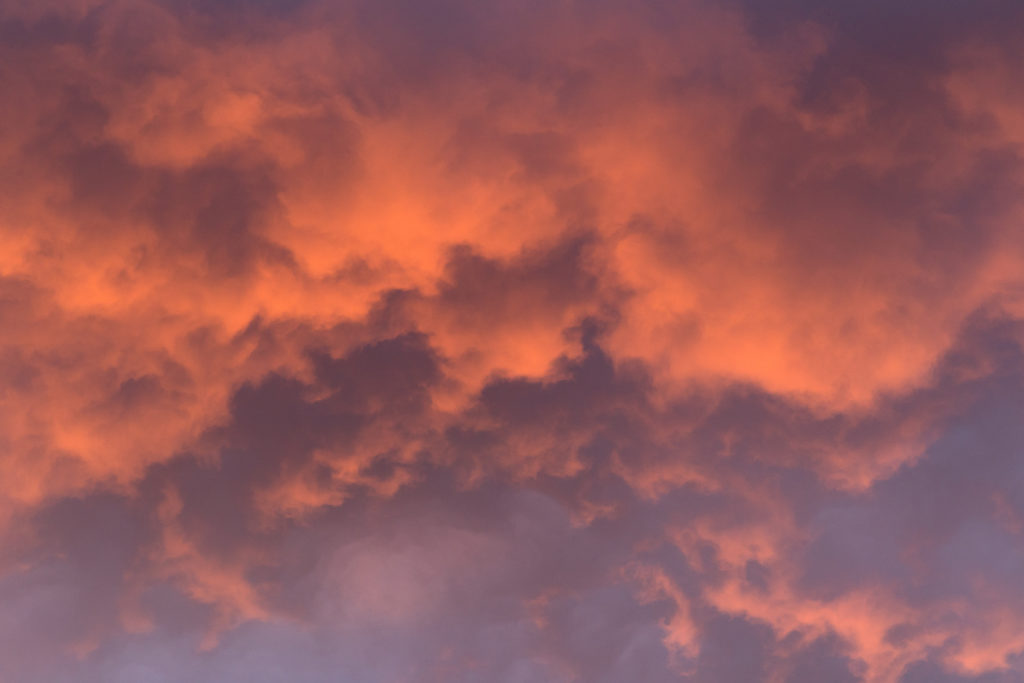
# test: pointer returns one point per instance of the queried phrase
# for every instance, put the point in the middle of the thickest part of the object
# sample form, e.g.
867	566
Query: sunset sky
511	341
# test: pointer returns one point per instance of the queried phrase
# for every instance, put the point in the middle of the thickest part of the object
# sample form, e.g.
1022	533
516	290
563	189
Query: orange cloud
671	266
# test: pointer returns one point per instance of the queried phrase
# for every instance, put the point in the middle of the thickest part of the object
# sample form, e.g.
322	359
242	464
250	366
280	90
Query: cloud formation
511	341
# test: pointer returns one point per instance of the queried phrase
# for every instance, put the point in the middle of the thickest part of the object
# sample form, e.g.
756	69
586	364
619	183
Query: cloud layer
511	341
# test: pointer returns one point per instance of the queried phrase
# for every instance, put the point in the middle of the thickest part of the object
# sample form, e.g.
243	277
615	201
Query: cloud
509	341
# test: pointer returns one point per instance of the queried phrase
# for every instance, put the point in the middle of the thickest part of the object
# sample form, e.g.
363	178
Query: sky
511	341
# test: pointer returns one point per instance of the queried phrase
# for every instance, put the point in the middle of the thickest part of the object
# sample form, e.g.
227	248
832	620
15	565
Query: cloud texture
511	341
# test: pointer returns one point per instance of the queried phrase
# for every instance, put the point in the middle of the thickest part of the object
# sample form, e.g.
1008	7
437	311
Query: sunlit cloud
510	341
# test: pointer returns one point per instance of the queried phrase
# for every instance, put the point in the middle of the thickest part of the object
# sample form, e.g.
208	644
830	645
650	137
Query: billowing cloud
511	341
